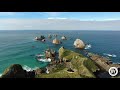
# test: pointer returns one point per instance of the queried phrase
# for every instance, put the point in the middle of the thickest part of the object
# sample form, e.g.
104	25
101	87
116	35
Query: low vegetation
82	66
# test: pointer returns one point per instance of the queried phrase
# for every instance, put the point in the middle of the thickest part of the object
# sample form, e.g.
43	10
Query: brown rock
79	44
63	38
56	41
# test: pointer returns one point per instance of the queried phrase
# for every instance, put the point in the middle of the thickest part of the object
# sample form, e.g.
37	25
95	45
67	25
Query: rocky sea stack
79	44
56	41
63	38
41	38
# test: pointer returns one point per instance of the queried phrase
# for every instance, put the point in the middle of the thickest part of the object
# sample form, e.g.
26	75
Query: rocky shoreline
67	64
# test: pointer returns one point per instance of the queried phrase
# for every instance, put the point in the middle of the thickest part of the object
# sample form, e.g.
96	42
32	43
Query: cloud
57	18
56	24
111	19
51	18
7	13
52	14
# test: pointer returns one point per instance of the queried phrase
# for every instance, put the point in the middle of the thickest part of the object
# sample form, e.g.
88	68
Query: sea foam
27	68
110	55
88	46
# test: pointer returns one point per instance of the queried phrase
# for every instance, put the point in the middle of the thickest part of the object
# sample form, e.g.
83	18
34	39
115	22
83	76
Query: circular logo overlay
113	71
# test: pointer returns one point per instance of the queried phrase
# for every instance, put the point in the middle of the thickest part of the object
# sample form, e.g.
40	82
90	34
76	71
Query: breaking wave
27	68
88	46
109	55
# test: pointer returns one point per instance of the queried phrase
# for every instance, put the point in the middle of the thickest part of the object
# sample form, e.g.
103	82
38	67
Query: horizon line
60	30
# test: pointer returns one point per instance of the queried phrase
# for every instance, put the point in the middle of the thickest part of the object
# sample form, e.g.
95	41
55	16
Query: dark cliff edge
16	71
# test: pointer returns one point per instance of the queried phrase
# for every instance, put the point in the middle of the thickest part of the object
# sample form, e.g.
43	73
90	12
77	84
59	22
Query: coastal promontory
73	65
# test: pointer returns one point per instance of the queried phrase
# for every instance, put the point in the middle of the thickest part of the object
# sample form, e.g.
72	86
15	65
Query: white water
39	55
27	68
45	60
47	71
88	46
109	55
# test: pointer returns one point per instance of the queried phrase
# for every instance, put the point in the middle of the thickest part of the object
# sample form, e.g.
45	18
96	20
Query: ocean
19	46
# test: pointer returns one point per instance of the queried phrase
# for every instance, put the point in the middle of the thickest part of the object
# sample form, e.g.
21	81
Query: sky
59	20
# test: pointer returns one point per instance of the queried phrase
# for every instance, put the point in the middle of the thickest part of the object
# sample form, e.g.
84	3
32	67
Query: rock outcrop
74	66
63	38
16	71
75	61
49	53
79	44
41	38
56	41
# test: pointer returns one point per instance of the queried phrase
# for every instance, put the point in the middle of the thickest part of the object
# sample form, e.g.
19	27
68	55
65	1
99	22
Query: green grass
61	74
90	65
84	67
58	67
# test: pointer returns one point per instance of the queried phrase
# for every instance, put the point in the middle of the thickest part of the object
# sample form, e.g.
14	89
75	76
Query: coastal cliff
68	65
16	71
73	65
83	65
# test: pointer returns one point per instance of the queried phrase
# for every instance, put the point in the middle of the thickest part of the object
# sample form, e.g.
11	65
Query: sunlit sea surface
19	47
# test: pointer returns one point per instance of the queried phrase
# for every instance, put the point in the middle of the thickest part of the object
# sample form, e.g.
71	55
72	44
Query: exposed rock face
40	71
63	38
41	38
61	51
50	54
56	41
79	44
74	66
16	71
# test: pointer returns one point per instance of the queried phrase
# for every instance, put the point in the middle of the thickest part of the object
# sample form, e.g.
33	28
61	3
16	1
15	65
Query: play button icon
113	71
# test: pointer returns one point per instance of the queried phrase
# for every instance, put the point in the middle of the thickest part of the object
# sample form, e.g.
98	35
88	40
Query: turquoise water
16	47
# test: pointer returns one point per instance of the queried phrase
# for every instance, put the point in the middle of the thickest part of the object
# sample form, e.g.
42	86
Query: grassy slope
83	66
60	74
